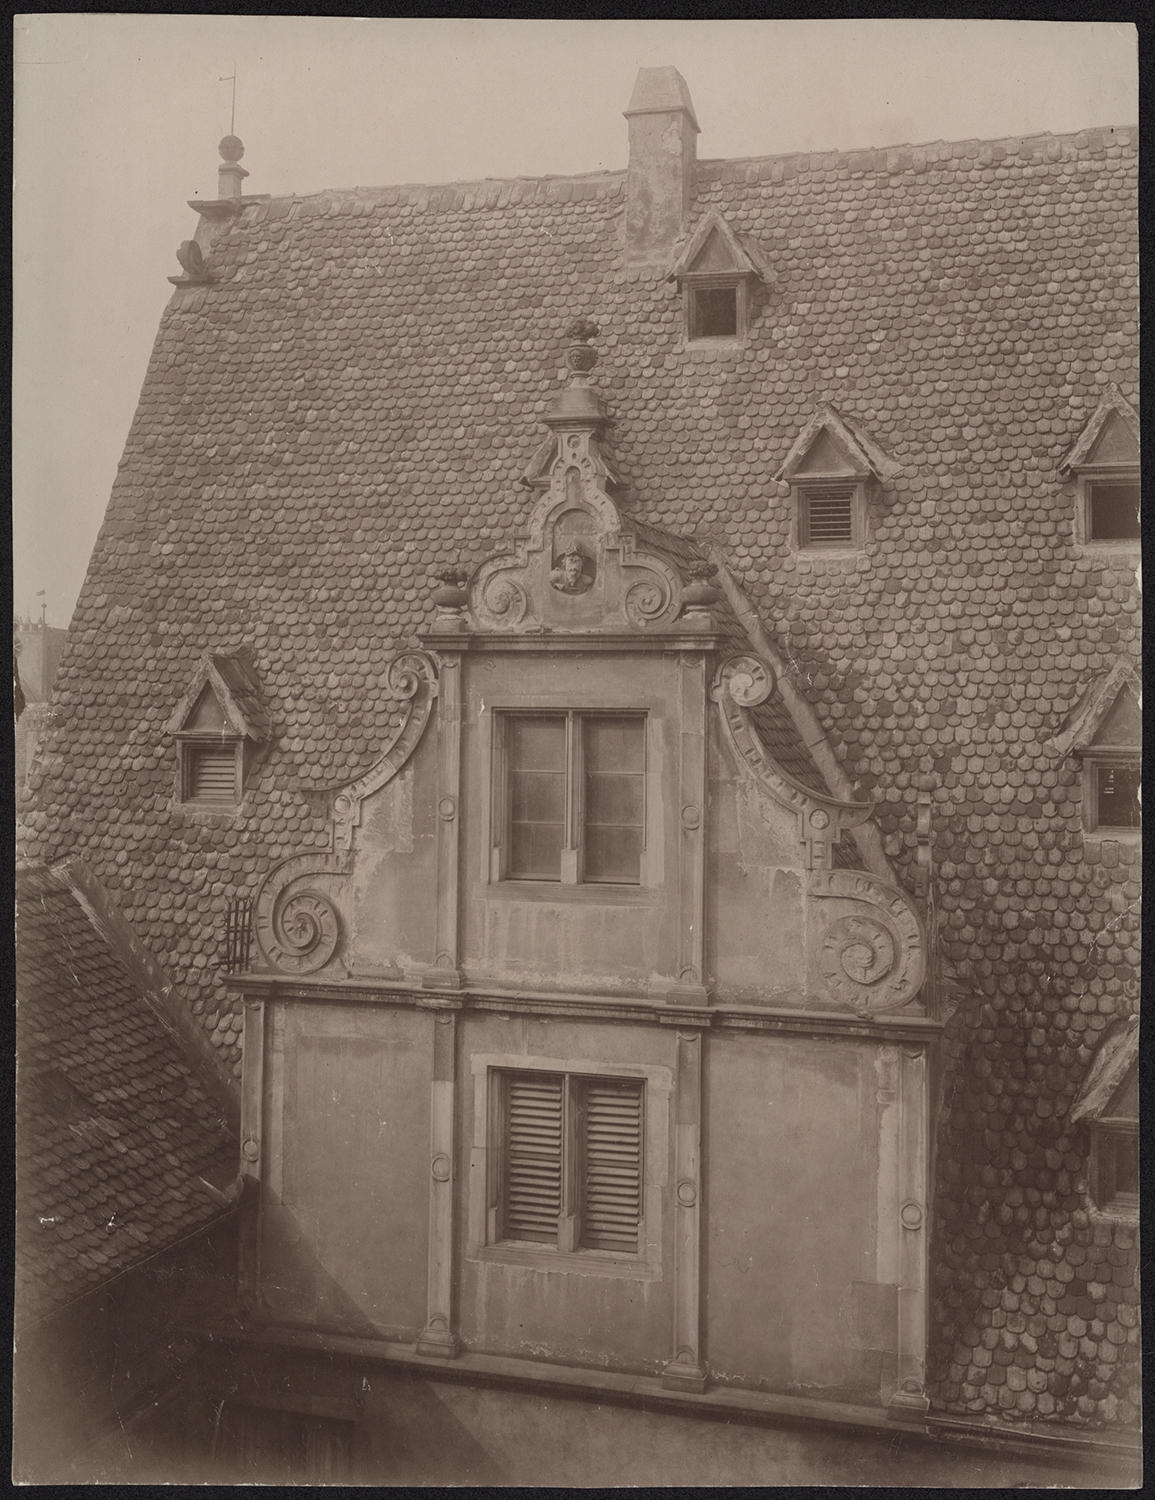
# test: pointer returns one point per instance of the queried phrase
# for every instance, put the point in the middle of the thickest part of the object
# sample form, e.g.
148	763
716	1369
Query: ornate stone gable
581	567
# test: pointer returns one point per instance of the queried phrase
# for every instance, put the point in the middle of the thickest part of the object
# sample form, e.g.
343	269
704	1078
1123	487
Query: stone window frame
1085	481
736	281
804	489
484	1241
189	743
1107	1202
497	840
1093	760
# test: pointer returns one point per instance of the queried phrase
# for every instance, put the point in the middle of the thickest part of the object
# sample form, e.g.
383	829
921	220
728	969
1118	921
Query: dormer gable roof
714	249
1107	716
832	446
223	697
1110	438
1110	1087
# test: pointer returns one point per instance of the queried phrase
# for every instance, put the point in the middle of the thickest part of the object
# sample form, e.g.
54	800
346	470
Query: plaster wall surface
345	1198
793	1161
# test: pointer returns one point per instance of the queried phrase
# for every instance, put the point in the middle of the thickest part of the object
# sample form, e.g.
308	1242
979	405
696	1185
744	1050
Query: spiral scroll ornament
646	602
504	600
405	674
305	932
859	960
748	680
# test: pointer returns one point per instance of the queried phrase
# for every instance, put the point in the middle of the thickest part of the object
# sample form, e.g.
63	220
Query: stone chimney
660	182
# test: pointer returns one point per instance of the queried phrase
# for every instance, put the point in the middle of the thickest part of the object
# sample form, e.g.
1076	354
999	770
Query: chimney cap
661	91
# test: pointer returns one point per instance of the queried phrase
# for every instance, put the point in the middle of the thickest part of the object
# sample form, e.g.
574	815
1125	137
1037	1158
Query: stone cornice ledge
727	1403
638	1009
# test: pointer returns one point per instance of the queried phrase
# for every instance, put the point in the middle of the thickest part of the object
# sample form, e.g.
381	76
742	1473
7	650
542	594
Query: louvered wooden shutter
533	1156
212	774
829	516
612	1164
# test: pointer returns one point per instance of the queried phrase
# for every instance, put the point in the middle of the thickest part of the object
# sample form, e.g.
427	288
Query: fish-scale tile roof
114	1126
349	403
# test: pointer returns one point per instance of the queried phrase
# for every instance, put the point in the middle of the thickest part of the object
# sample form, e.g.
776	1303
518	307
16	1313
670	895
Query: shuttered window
826	516
612	1164
533	1155
571	1164
210	774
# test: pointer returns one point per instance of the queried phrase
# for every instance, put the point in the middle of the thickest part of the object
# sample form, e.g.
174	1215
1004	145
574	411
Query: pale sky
117	119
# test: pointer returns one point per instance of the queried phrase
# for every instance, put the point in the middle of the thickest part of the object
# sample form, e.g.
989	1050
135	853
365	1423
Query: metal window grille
238	935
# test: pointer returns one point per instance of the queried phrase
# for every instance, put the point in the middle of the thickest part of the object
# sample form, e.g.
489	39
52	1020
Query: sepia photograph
577	699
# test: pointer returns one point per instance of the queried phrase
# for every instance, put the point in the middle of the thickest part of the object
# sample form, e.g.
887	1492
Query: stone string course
348	405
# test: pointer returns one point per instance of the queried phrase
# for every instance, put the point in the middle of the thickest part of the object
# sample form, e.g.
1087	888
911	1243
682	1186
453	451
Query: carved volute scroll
742	683
296	919
870	950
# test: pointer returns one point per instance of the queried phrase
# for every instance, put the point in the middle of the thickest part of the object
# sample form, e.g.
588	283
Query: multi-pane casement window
569	1161
572	797
829	515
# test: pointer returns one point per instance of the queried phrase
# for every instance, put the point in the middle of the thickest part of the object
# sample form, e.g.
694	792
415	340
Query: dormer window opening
713	312
1113	795
1104	465
715	272
826	515
832	468
210	773
1112	510
218	727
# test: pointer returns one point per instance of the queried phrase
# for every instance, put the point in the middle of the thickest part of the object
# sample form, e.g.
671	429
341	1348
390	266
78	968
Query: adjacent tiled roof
349	404
114	1125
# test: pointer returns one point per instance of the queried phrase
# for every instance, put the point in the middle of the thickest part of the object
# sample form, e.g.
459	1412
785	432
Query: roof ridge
461	184
974	140
549	182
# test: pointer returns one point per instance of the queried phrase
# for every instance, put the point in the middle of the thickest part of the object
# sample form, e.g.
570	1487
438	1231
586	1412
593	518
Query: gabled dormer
1105	732
217	726
831	469
715	273
1104	464
1108	1102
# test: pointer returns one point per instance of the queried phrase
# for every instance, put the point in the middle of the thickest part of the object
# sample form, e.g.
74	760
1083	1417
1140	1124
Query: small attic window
713	312
1104	463
715	272
1112	795
211	756
218	727
1111	753
1112	510
210	774
826	515
1115	1167
1108	1100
